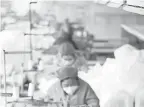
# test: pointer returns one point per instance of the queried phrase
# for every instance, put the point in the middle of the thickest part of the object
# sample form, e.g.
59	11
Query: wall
104	22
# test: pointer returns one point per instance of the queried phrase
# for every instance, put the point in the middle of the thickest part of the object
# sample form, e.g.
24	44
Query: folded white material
31	89
126	56
139	98
120	99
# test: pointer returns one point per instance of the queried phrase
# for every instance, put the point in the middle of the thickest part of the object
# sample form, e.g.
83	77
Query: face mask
70	90
65	63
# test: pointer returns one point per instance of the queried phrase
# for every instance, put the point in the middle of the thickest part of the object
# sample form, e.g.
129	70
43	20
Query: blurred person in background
68	56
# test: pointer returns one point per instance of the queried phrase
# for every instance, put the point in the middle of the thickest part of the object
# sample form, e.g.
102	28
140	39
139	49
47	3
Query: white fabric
139	98
126	56
46	84
13	40
120	99
123	73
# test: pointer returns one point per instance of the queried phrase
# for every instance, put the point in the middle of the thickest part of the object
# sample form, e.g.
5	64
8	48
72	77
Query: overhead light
33	2
136	2
115	3
103	1
134	9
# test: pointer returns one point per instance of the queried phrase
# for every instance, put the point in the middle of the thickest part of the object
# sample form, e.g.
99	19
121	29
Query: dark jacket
84	96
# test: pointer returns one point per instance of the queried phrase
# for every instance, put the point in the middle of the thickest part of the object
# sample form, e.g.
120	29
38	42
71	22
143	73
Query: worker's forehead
68	57
70	81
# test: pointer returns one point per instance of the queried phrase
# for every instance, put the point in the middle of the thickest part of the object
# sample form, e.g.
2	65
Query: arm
91	98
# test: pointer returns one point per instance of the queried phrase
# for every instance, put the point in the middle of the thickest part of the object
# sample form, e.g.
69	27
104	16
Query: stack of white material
125	72
120	99
139	99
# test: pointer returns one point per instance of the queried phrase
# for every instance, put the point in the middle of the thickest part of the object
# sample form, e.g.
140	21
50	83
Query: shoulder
85	86
83	83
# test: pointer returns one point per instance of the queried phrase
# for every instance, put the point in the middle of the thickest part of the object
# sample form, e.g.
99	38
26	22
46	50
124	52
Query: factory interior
108	38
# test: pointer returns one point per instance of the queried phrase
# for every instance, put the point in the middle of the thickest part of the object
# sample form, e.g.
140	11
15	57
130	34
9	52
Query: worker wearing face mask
72	90
68	56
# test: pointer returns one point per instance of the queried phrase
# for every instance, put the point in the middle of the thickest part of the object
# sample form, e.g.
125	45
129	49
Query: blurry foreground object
125	72
120	99
46	84
139	98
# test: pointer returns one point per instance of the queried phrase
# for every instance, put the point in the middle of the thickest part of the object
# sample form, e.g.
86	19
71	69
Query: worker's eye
68	59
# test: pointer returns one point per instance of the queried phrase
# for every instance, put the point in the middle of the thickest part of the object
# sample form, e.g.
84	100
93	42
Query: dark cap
66	49
67	72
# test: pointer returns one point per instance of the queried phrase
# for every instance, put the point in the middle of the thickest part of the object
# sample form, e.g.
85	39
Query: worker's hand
47	98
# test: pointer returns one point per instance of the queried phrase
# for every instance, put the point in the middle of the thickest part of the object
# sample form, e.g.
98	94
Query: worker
67	56
72	90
